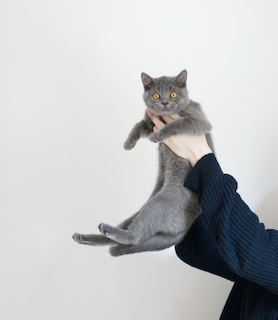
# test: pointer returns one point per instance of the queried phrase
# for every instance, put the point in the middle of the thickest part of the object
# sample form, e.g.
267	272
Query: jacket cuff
205	170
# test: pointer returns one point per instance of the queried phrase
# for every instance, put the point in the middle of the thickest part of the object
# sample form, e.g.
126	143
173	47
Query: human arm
248	249
199	249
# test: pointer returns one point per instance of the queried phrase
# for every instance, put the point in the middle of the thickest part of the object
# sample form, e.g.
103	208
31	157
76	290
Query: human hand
192	148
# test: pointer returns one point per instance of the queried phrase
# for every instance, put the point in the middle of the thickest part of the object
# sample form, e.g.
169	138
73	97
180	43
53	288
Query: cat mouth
165	110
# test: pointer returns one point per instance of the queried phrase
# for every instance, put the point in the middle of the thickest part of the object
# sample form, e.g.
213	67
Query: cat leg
141	129
157	215
160	176
124	225
119	235
169	130
157	188
155	243
92	239
188	124
159	184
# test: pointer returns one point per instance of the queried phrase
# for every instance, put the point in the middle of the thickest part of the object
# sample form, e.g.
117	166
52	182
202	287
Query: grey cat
166	217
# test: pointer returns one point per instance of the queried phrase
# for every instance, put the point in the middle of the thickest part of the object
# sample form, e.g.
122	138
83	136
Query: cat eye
174	95
156	96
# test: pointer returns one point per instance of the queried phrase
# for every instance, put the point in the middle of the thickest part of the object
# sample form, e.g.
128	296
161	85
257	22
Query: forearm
248	249
199	249
192	148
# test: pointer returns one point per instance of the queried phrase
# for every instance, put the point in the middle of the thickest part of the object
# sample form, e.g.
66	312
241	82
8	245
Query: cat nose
165	103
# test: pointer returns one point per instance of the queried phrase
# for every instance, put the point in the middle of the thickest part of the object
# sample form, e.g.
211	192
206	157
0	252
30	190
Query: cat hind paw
77	237
104	229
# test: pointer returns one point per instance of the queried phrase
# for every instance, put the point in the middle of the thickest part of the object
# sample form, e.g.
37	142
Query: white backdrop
70	92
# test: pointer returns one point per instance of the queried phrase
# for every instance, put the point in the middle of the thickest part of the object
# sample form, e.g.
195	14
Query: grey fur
171	209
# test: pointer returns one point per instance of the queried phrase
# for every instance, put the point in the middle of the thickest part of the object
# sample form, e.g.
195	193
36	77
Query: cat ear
181	79
147	80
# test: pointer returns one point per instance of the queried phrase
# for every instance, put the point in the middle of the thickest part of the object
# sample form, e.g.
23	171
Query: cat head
165	95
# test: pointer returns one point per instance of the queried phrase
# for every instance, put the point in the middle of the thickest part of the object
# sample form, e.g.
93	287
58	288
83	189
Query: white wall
70	93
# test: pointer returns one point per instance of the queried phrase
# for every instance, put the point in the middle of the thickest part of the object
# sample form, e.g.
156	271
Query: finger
159	124
175	116
155	129
150	114
171	118
168	119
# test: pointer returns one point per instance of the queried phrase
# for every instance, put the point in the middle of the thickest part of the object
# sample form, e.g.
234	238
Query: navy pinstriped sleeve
234	236
199	249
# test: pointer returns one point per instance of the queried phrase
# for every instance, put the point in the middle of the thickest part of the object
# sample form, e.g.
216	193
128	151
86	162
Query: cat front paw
129	144
156	137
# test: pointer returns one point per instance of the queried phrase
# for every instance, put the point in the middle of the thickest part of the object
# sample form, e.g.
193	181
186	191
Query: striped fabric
228	240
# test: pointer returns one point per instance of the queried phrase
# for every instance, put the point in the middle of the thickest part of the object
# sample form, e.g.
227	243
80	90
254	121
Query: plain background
70	93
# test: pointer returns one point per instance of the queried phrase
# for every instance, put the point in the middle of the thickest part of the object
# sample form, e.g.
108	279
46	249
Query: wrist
199	153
